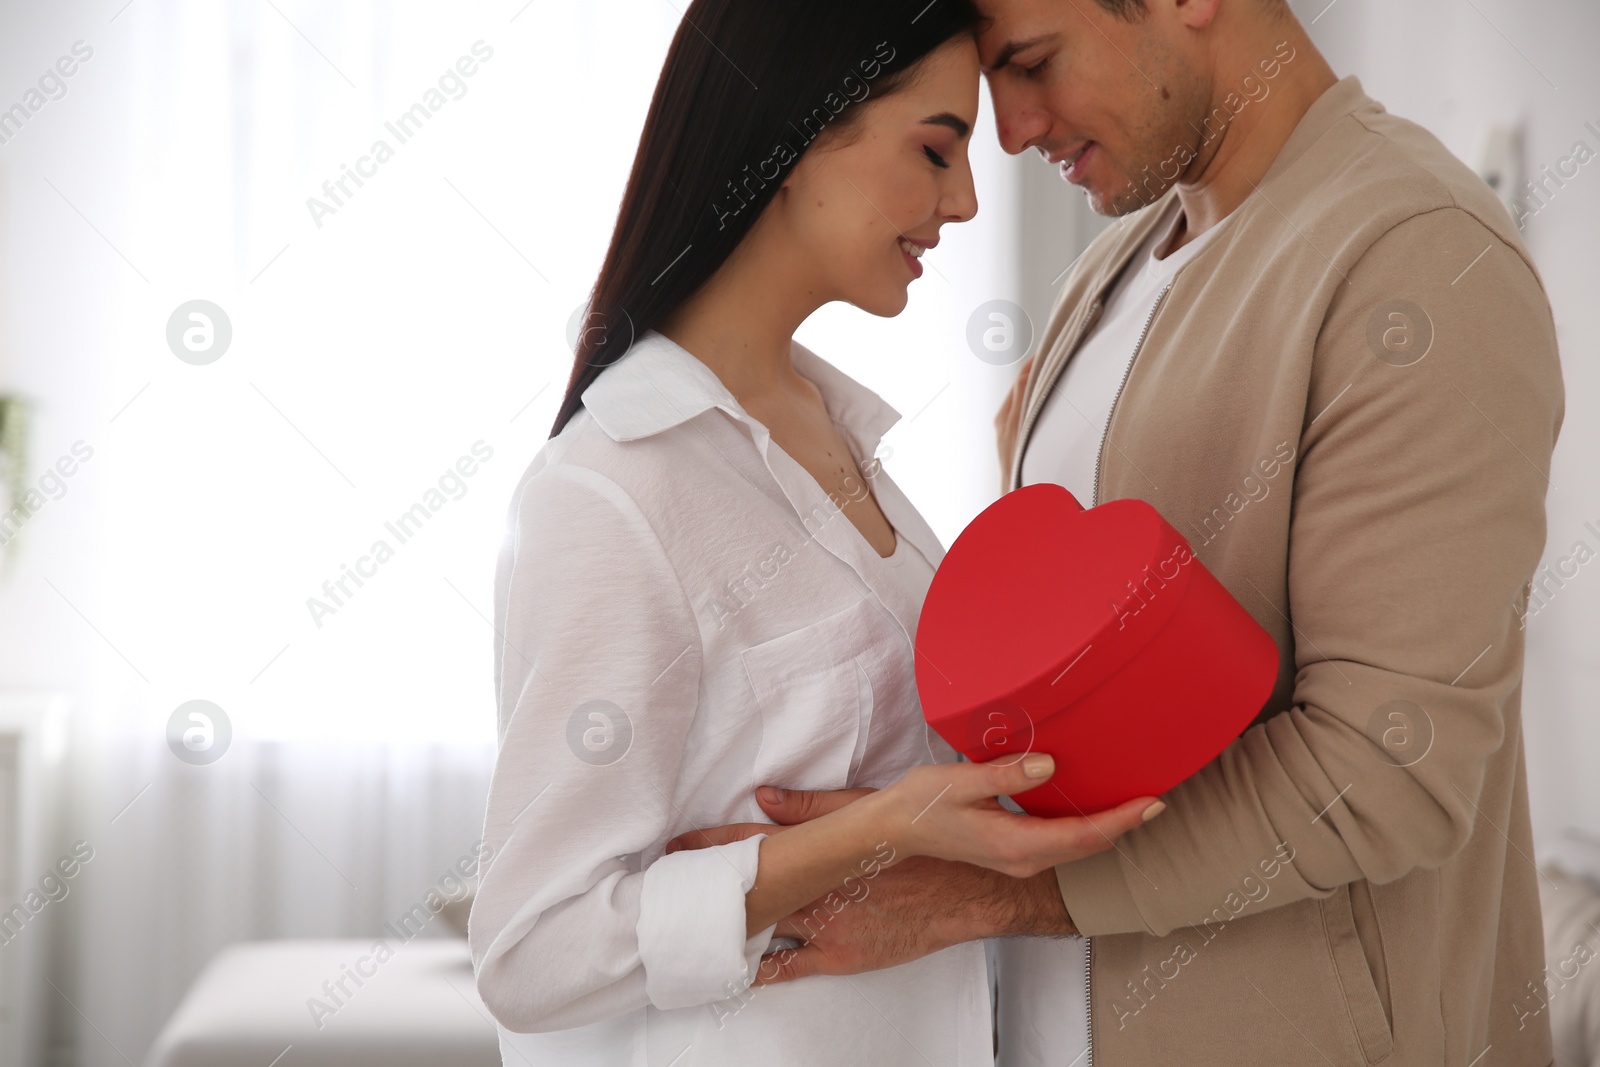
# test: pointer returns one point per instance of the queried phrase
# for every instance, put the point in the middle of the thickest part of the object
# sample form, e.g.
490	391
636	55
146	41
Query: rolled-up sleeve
691	925
578	916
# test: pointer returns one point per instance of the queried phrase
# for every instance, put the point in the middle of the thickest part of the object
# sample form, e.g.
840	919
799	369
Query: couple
723	834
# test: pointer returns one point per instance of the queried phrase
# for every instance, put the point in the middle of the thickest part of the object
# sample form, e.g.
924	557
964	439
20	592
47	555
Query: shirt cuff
1097	896
691	925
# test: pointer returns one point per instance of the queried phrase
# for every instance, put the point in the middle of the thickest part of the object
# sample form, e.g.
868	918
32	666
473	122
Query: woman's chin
885	305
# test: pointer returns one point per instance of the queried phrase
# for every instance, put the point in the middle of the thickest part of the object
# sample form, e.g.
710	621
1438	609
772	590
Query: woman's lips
906	252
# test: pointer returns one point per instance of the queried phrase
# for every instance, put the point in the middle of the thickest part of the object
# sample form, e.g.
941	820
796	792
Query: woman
704	590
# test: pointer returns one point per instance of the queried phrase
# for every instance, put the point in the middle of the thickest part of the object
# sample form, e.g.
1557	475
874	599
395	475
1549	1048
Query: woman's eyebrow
946	119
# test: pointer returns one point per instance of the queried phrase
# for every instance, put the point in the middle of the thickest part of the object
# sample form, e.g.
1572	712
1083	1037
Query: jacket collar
1112	252
1343	98
659	384
1340	99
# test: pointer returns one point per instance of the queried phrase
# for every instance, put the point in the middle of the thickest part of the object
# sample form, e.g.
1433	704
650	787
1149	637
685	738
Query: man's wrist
1037	907
991	904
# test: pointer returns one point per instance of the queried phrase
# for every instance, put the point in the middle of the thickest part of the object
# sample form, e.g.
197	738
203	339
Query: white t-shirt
909	569
1066	438
1038	978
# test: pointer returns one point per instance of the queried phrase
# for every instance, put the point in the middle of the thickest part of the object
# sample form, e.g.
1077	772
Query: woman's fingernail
1153	810
1038	765
771	794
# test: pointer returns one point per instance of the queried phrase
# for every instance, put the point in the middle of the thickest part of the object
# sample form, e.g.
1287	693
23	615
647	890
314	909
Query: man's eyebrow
946	119
1012	48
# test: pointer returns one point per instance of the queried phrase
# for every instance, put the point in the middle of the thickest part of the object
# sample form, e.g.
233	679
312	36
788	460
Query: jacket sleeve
579	917
1417	520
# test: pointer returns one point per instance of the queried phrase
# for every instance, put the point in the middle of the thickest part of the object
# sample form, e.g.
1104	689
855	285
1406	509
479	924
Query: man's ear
1199	14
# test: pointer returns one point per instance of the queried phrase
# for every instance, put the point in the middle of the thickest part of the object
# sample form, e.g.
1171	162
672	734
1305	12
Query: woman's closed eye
938	160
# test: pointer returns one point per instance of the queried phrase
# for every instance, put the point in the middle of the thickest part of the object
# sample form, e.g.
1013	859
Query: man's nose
1016	123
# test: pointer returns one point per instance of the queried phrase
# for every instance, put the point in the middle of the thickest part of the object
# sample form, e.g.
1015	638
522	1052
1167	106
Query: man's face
1117	103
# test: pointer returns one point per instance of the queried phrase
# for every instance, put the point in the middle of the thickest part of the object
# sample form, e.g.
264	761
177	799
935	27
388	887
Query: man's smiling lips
1072	163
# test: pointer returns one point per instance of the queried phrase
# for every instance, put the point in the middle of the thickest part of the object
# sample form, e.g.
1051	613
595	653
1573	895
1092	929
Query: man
1315	343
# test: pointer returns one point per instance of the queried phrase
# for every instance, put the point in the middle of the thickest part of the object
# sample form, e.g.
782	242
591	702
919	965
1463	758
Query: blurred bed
259	1003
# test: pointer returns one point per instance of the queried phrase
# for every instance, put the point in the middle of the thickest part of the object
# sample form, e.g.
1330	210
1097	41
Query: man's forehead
1010	26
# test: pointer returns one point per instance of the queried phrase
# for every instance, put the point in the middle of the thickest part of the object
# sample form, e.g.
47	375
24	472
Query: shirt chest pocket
814	692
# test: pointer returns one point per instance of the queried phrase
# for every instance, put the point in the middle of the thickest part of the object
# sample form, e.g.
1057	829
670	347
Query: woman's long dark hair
747	86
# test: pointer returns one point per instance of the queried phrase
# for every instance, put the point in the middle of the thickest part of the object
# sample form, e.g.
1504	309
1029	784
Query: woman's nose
962	203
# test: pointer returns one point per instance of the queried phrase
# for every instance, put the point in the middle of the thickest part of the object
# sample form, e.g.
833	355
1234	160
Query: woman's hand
949	811
945	811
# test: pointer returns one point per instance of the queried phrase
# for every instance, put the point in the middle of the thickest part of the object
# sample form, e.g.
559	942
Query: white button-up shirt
682	614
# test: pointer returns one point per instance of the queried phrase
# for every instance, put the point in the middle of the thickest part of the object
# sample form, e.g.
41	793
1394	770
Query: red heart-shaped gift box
1093	635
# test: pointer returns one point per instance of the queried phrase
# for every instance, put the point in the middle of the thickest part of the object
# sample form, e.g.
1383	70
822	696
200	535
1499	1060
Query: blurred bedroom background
201	489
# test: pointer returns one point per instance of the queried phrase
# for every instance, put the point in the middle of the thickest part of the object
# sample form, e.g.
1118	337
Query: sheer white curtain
400	332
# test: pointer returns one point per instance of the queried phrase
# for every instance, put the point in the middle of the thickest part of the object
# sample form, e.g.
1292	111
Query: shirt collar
658	385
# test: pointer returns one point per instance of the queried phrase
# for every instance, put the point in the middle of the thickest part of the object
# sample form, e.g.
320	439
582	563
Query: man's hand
1008	421
897	914
911	910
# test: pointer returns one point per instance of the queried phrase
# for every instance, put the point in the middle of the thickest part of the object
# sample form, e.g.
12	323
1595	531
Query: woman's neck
741	323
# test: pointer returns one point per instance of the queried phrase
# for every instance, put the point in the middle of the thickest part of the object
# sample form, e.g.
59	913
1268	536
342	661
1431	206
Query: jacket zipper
1088	998
1127	372
1088	942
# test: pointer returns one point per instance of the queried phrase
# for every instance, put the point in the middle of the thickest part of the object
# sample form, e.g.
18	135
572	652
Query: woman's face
859	211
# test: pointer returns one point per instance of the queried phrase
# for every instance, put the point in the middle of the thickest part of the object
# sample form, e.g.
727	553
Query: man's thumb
788	964
789	806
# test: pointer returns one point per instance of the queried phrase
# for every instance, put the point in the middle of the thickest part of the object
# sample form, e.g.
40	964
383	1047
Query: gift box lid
1041	600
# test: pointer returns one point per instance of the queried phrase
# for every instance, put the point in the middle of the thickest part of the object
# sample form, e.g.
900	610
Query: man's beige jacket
1347	402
